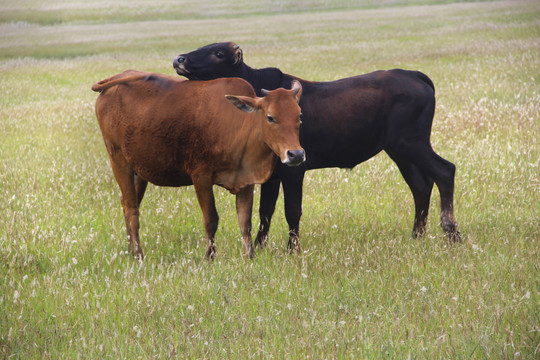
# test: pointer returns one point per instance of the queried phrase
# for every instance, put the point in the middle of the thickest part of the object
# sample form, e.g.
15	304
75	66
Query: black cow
345	122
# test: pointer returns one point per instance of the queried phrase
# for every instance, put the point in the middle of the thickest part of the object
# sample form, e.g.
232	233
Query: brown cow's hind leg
126	180
244	208
140	188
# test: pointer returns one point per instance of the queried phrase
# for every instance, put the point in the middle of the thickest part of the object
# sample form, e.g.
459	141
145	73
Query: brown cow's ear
297	88
238	58
244	103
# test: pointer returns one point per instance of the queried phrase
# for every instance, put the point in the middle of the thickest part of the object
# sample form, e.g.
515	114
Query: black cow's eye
300	118
270	119
219	55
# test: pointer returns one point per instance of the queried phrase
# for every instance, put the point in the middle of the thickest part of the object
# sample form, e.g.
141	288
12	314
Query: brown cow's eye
219	55
270	119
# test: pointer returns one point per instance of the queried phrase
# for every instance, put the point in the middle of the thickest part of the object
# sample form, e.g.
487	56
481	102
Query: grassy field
362	287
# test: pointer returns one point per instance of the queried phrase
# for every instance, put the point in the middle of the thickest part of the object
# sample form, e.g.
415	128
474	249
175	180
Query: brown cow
174	132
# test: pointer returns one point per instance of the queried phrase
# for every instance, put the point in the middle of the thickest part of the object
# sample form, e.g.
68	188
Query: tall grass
362	287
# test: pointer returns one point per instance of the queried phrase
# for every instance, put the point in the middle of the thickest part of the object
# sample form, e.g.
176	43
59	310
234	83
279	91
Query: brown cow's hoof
249	253
210	253
136	251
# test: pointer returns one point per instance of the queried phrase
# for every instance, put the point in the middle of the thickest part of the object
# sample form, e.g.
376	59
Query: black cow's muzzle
178	60
295	157
179	65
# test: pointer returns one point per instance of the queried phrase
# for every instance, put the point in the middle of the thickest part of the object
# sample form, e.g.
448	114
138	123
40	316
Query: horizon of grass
56	12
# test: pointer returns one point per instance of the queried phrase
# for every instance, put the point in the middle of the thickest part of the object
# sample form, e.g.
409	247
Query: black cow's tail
425	79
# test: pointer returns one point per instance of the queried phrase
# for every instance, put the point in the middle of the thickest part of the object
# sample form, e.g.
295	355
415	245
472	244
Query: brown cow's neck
255	165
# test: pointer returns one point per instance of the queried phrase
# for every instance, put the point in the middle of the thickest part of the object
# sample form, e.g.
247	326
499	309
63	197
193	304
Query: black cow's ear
238	57
244	103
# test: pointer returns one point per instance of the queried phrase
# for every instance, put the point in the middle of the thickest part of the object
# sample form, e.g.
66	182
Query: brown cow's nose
295	157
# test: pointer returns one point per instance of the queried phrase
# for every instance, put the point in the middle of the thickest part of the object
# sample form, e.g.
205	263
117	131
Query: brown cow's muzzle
294	157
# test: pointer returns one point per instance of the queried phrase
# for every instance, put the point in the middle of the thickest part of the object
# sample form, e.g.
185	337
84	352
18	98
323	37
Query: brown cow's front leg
205	196
244	207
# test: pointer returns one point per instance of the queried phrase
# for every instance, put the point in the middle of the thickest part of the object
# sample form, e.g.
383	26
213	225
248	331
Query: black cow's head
210	61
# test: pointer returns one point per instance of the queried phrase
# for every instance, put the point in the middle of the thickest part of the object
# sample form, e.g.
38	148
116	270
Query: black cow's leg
244	207
443	172
421	187
269	195
205	196
445	183
292	179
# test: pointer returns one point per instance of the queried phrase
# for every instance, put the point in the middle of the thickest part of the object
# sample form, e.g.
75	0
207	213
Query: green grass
362	287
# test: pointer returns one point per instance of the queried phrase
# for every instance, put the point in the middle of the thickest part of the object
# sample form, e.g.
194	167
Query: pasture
362	286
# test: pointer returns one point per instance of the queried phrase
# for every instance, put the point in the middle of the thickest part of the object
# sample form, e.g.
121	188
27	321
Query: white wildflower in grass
477	248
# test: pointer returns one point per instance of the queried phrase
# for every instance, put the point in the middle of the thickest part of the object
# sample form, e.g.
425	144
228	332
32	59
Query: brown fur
173	132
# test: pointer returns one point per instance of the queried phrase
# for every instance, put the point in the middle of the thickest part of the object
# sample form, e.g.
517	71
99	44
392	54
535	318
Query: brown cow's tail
112	81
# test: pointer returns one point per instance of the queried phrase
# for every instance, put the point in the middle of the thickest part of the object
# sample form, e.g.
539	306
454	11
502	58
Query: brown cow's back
155	122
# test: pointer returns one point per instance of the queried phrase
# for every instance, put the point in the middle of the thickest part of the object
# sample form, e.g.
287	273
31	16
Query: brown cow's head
204	63
280	113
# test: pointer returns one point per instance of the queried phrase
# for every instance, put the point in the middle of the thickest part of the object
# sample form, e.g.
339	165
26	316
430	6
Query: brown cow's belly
165	178
159	170
154	160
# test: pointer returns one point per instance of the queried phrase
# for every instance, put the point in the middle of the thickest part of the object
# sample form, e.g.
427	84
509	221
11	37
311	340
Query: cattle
344	123
174	132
